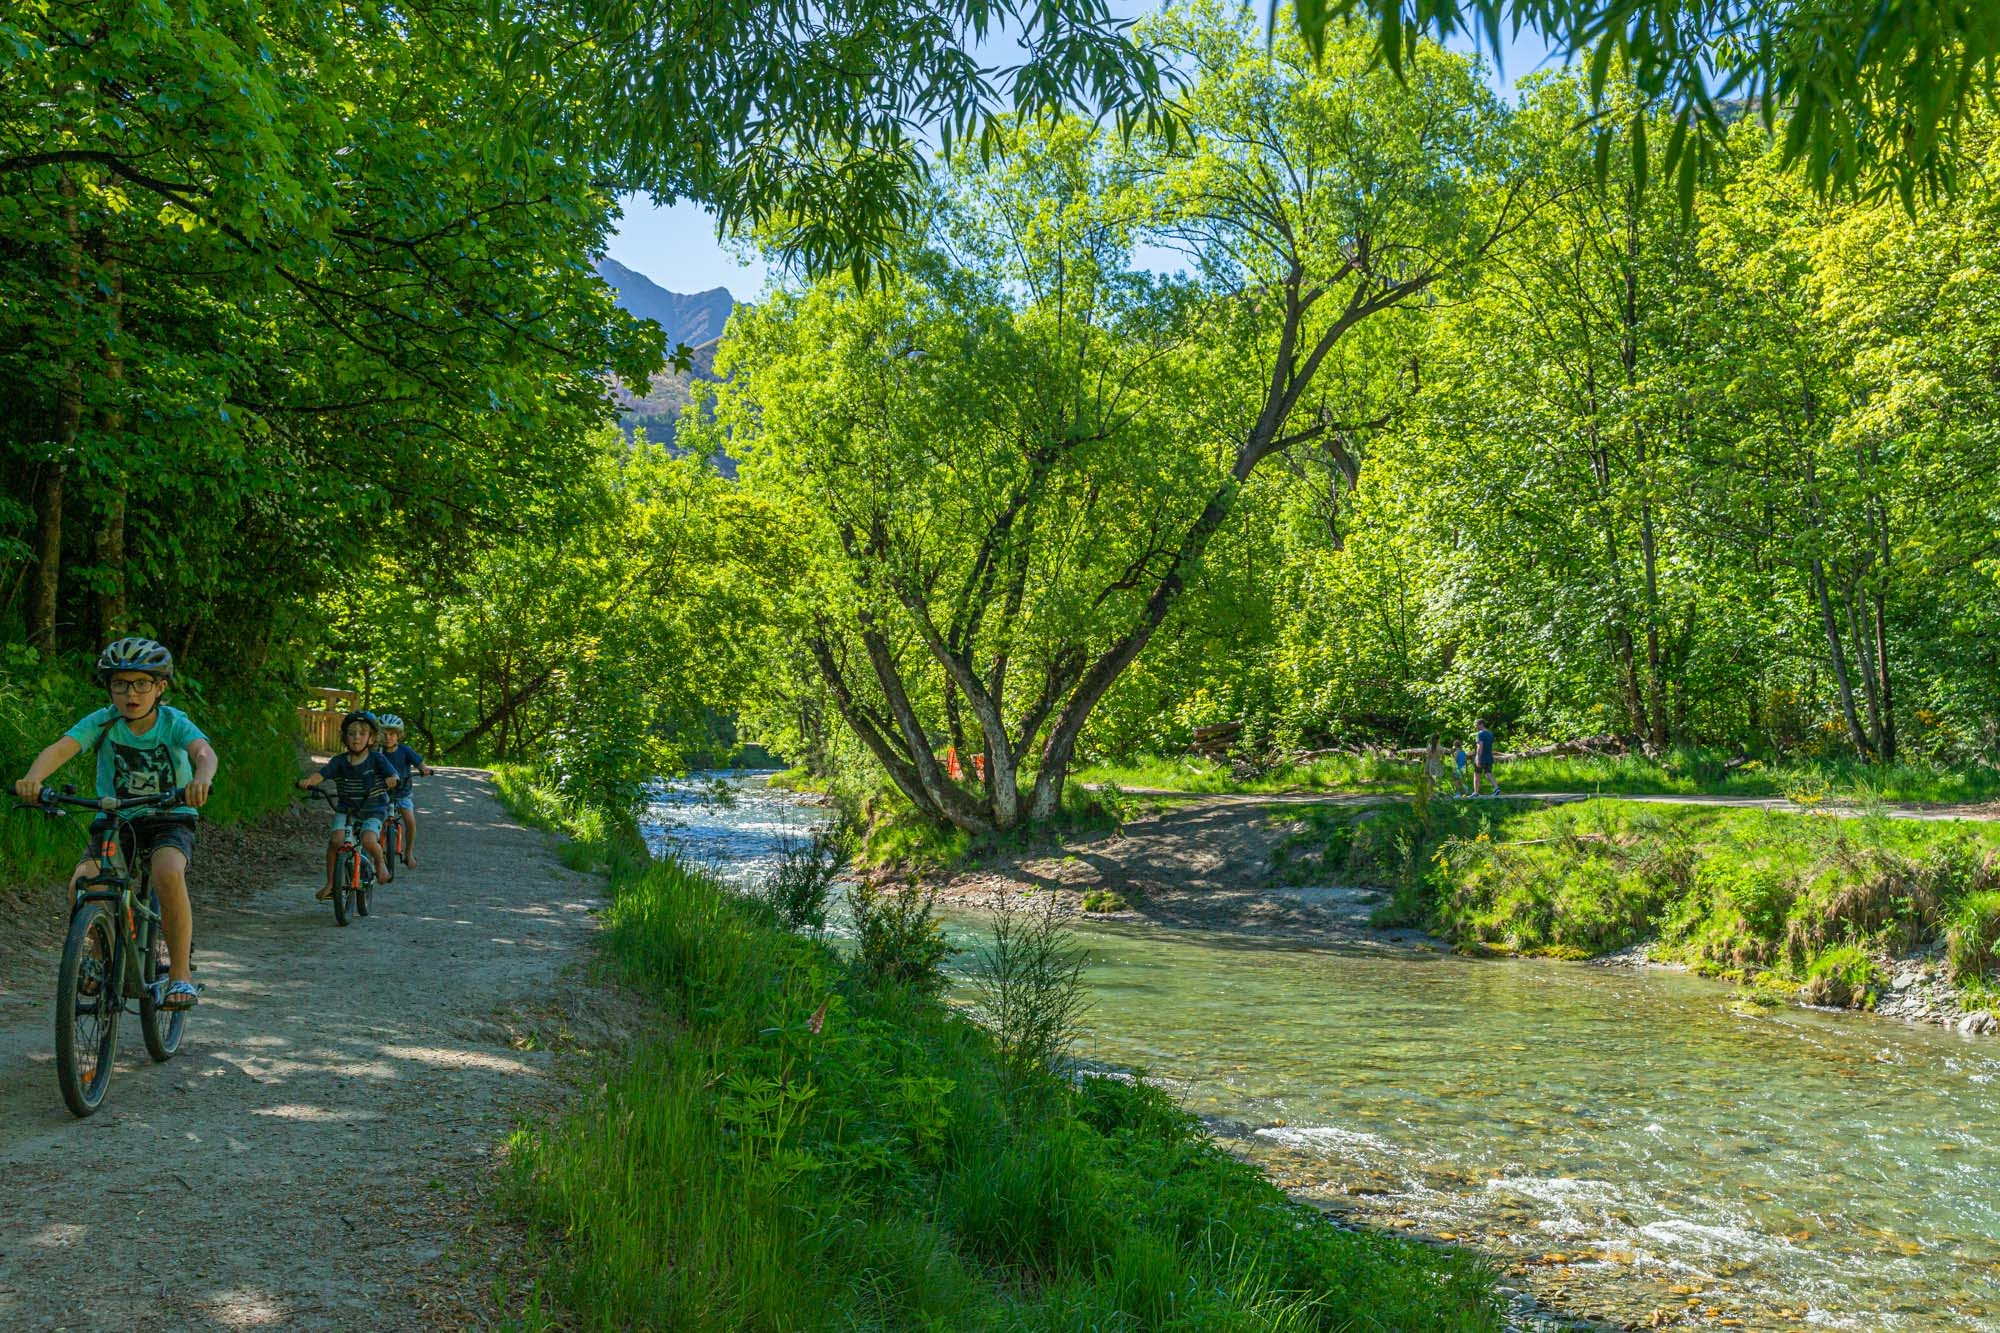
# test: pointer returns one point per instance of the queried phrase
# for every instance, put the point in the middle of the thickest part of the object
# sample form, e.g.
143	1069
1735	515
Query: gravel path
332	1116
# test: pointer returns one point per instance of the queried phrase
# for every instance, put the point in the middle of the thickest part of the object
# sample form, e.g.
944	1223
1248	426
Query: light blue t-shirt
129	765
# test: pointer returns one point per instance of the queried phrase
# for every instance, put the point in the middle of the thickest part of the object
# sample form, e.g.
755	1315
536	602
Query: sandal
180	995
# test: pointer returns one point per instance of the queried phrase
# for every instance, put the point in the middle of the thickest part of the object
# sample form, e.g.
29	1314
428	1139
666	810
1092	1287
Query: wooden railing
319	721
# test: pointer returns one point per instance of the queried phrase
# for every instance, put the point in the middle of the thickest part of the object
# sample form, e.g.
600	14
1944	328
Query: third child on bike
362	780
407	763
143	748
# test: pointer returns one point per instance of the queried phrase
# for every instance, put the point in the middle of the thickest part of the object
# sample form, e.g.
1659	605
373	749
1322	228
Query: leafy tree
1004	478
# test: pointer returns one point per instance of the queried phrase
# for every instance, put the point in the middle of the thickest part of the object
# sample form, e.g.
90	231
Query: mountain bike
353	869
112	956
396	836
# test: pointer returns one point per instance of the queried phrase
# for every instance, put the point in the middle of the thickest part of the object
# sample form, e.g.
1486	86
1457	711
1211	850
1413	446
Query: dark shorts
152	834
1482	766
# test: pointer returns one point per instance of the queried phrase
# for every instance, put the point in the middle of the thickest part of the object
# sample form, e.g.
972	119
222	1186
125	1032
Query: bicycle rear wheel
162	1027
343	888
89	1004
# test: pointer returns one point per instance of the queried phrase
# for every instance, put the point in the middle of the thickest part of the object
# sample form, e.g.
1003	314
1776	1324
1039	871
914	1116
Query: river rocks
1919	992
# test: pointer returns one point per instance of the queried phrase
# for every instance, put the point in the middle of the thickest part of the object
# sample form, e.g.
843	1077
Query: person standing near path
1482	759
143	748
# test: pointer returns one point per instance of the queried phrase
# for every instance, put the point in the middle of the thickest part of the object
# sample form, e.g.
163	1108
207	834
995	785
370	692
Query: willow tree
1002	473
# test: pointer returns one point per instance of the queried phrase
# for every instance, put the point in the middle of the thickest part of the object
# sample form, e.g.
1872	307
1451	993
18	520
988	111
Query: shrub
1972	940
1105	900
798	887
1029	984
1843	976
899	938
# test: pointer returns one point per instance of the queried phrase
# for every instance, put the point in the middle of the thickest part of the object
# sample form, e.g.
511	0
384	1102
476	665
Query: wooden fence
319	720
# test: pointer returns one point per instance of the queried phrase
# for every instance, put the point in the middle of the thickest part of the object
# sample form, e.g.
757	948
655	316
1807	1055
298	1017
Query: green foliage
1843	976
1680	771
1105	900
593	642
814	1148
826	160
1845	84
1028	984
898	938
280	287
800	884
1737	893
1973	939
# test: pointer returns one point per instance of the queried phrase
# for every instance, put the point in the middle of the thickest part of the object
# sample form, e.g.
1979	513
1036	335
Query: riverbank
1865	911
1628	1142
818	1141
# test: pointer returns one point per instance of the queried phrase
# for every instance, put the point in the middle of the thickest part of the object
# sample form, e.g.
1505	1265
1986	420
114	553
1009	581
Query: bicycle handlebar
50	798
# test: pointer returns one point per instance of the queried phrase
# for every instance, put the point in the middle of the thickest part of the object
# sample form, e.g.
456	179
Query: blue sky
677	246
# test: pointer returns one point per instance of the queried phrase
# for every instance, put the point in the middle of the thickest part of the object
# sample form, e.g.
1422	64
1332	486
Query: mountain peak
693	319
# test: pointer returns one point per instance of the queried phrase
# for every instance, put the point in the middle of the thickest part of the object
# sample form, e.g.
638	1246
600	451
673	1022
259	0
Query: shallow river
1635	1143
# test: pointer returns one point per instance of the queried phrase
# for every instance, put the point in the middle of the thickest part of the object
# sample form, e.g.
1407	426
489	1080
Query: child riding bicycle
144	748
362	781
406	762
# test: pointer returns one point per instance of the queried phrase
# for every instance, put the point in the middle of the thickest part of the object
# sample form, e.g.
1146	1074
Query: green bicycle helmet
135	654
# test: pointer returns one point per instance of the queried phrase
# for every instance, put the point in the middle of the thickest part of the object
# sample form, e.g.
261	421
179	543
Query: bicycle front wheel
343	887
162	1027
89	1003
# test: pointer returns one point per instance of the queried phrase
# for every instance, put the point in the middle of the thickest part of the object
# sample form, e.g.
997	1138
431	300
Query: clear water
1638	1140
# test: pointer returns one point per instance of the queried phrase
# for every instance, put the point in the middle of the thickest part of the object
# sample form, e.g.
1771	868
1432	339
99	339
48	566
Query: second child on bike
362	781
144	748
408	764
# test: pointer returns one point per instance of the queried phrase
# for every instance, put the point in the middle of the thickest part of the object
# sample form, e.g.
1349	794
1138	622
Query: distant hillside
693	320
696	320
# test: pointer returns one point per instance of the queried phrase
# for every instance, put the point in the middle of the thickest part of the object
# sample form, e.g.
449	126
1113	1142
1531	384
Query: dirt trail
1204	861
337	1101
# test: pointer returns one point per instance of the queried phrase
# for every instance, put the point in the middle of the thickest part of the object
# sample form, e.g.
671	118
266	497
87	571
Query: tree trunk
49	490
505	710
1837	657
113	610
1864	656
1885	737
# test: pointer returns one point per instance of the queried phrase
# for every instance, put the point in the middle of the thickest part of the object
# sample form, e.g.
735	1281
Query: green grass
1781	898
255	738
811	1149
1683	772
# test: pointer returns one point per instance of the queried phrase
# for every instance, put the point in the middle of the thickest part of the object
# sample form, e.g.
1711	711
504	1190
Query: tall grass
817	1148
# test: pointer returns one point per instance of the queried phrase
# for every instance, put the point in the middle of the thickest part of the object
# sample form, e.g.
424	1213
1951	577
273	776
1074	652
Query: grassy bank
255	737
817	1145
1802	903
1683	772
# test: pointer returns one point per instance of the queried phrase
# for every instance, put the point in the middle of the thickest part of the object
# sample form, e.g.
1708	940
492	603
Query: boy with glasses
144	748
